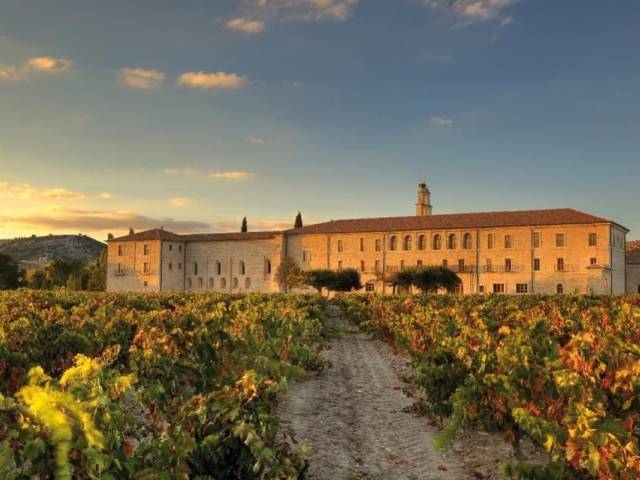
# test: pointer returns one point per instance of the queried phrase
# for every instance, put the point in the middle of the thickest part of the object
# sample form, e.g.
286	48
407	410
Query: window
146	249
451	241
370	287
235	282
189	282
445	263
146	284
638	288
306	256
560	265
507	264
218	268
406	243
362	244
536	264
461	265
559	288
559	239
179	248
481	289
419	263
120	269
120	250
393	243
171	247
179	266
223	283
422	242
362	266
536	239
490	241
377	265
437	242
241	267
489	265
498	288
339	264
268	267
402	264
247	282
466	242
508	241
459	288
195	268
200	283
593	239
593	261
340	246
378	245
211	282
145	267
522	288
170	266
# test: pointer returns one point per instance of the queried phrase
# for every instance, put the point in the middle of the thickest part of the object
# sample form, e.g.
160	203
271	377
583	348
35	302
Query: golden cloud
246	25
34	65
141	78
181	202
26	191
231	175
218	80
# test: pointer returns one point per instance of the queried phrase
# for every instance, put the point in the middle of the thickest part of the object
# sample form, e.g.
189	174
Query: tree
298	222
289	274
243	228
37	279
320	279
9	273
346	280
430	279
97	273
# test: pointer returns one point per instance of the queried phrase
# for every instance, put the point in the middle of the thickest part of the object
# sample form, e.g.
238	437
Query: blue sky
194	114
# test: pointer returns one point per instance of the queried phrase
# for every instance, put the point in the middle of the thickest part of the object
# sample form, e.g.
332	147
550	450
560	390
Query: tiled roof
155	234
564	216
633	252
158	234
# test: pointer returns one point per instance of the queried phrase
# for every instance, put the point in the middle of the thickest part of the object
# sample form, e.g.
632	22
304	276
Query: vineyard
114	386
563	371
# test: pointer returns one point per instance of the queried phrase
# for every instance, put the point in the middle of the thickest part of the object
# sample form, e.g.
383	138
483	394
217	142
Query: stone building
633	267
519	252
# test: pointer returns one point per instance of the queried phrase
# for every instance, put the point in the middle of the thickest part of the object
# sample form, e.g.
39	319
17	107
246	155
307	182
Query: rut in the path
351	417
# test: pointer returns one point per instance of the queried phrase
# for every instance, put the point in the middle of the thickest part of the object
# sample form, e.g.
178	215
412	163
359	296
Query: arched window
422	242
211	284
406	243
242	268
393	243
451	241
223	283
247	282
235	282
560	288
218	268
437	242
200	283
466	242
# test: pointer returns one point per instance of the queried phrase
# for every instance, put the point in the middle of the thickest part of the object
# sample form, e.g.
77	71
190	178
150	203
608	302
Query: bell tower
423	207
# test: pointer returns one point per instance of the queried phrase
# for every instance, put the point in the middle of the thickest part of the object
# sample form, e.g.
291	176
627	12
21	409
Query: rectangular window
490	241
120	270
340	265
377	265
560	265
179	266
195	268
489	265
593	260
120	250
536	239
170	266
507	264
305	256
378	245
362	266
481	289
340	245
536	264
370	287
445	263
179	248
461	265
146	249
593	239
145	267
522	288
508	241
170	247
362	244
419	263
401	264
560	240
146	284
498	288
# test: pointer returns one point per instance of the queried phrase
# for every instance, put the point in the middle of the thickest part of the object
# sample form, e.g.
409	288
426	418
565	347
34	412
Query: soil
359	420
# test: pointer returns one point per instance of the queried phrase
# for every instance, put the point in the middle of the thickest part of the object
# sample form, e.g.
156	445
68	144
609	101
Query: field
115	386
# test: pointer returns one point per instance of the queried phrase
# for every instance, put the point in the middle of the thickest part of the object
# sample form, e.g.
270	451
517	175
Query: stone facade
633	267
544	251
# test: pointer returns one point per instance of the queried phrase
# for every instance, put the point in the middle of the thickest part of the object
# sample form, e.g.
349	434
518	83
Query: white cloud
246	25
34	65
469	11
231	175
181	202
141	78
441	121
105	196
218	80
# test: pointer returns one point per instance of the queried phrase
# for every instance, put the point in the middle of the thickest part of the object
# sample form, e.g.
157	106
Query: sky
193	114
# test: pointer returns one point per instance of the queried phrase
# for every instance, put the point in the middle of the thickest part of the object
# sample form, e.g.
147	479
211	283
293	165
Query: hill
38	251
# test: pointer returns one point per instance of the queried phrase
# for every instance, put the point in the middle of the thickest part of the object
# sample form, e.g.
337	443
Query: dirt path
351	418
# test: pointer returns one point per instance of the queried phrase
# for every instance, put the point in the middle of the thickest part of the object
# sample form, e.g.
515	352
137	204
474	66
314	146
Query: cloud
218	80
246	25
105	196
62	193
26	191
258	141
181	202
231	175
442	122
141	78
34	65
56	218
469	11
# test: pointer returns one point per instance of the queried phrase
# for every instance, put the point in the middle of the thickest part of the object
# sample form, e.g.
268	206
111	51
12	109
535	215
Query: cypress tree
243	228
298	222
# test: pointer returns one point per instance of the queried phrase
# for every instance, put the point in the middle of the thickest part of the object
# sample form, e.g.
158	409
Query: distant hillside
38	251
